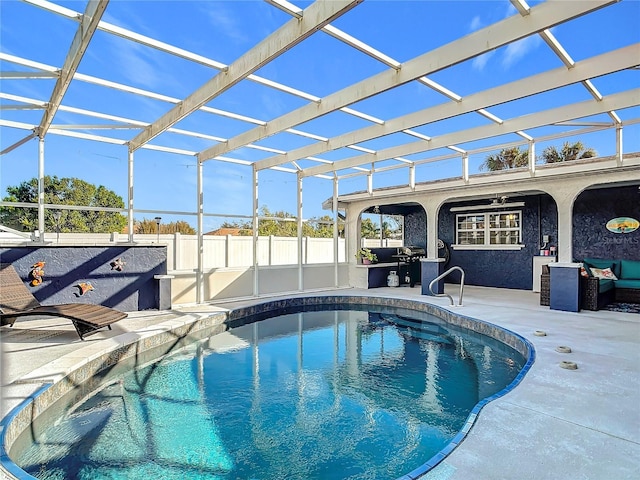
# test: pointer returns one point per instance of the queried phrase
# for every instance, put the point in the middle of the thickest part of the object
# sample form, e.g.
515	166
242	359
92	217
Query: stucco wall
131	289
592	210
503	268
415	228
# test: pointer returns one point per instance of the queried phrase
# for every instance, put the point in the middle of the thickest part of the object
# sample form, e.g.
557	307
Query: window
470	229
489	230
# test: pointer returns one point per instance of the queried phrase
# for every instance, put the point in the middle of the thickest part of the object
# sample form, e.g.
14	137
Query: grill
411	255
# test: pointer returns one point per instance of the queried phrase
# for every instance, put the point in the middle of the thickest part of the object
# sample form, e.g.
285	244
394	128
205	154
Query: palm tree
507	158
568	152
369	229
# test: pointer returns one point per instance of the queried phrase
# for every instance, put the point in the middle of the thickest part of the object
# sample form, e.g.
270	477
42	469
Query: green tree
314	227
64	191
178	227
271	225
507	158
368	229
150	226
244	228
323	227
568	152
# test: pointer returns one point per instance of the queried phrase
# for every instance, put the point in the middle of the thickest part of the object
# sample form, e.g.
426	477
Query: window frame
483	223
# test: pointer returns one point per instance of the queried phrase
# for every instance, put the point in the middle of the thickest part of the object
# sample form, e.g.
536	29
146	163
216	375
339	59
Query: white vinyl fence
218	251
236	251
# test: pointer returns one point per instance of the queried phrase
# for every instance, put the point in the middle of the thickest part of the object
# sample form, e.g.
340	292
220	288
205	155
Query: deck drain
563	349
569	365
540	333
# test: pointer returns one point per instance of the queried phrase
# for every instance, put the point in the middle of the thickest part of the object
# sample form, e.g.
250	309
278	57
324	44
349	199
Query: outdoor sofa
608	280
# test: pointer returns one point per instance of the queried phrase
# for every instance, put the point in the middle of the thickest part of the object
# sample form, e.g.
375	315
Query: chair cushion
629	269
605	285
626	283
614	265
603	273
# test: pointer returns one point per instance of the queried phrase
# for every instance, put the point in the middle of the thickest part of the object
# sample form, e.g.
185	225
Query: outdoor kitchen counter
375	274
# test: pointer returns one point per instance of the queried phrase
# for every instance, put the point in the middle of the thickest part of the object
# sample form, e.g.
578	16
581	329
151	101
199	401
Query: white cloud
476	23
513	53
134	62
517	50
480	62
273	105
224	20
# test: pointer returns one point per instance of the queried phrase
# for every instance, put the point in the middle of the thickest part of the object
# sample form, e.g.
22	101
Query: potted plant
366	255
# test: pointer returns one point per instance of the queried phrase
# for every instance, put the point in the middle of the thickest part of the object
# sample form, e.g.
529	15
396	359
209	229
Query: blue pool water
337	394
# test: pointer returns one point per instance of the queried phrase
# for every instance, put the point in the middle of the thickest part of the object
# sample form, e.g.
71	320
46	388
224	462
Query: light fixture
376	209
158	220
498	202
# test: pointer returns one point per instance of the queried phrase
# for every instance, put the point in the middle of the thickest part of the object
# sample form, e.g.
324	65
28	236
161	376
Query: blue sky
223	31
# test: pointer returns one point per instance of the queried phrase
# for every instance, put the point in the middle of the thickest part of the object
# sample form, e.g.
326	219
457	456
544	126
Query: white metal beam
334	203
554	44
29	63
18	143
27	75
130	189
293	32
490	148
88	25
200	233
541	17
54	72
41	173
129	123
381	57
626	99
20	107
163	46
353	42
255	224
299	225
559	77
129	35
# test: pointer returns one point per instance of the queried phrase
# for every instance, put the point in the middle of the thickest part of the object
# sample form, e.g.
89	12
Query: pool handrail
440	277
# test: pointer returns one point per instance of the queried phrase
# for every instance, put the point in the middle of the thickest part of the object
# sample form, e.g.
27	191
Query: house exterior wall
502	268
415	226
592	210
560	187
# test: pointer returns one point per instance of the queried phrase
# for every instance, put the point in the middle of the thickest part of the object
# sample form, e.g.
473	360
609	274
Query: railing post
305	258
271	241
177	249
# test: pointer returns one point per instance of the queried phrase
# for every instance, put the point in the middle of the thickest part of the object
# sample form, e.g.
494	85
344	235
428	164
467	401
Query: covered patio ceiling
383	105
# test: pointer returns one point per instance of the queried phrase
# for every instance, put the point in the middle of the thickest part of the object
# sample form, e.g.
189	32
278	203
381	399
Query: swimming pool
366	392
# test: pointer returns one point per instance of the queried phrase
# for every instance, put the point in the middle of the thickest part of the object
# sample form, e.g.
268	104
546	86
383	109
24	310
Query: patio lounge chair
16	300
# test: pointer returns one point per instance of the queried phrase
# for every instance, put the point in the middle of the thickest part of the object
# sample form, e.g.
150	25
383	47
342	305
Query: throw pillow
603	273
583	272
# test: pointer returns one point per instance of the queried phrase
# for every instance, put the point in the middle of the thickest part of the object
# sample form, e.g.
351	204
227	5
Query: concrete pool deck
558	423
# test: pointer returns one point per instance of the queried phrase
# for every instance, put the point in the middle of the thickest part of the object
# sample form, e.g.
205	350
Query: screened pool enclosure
236	114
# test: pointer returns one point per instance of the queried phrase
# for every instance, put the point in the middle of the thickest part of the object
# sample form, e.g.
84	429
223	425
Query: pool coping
57	380
63	375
